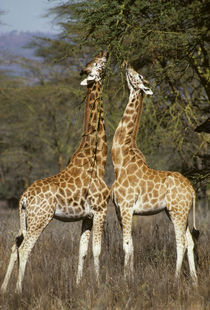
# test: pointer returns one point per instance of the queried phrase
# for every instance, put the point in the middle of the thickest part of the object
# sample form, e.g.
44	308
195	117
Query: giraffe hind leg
13	259
184	241
190	255
23	254
181	244
31	234
13	256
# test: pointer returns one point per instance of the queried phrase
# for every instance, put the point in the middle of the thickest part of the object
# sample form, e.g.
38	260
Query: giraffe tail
23	223
195	232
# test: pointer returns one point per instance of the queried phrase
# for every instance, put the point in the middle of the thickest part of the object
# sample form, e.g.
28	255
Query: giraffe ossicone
76	193
140	190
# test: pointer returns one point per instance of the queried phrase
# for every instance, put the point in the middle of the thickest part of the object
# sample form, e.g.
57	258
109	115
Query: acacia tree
168	41
145	32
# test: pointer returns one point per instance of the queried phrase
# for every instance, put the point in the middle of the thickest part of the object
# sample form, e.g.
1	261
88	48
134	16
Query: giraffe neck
137	121
126	132
93	144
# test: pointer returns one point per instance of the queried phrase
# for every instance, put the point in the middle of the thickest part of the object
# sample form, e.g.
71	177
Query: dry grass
49	281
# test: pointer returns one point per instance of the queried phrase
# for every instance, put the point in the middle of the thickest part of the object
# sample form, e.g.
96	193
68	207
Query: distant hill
15	42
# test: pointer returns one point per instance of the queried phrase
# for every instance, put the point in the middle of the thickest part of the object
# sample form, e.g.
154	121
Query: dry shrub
50	276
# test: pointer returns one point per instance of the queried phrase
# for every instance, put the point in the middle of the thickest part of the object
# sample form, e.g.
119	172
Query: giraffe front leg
128	244
83	247
98	223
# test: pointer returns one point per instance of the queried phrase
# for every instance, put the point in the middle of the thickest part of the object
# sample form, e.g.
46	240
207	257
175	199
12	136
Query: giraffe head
95	69
136	81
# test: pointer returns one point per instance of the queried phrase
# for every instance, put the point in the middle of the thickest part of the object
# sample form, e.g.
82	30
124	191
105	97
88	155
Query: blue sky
27	15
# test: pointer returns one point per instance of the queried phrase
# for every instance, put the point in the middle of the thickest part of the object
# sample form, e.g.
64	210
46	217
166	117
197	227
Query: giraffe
76	193
140	190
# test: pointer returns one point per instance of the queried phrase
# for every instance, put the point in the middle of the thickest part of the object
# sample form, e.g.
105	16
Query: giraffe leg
29	241
13	259
98	222
190	255
180	231
128	245
24	251
14	251
83	247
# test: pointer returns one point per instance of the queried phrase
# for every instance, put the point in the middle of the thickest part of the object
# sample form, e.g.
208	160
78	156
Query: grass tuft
50	278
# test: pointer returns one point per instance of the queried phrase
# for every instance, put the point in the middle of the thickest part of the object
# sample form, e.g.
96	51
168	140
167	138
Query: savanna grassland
50	276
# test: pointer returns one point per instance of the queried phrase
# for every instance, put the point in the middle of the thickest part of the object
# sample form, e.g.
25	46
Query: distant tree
41	113
39	130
